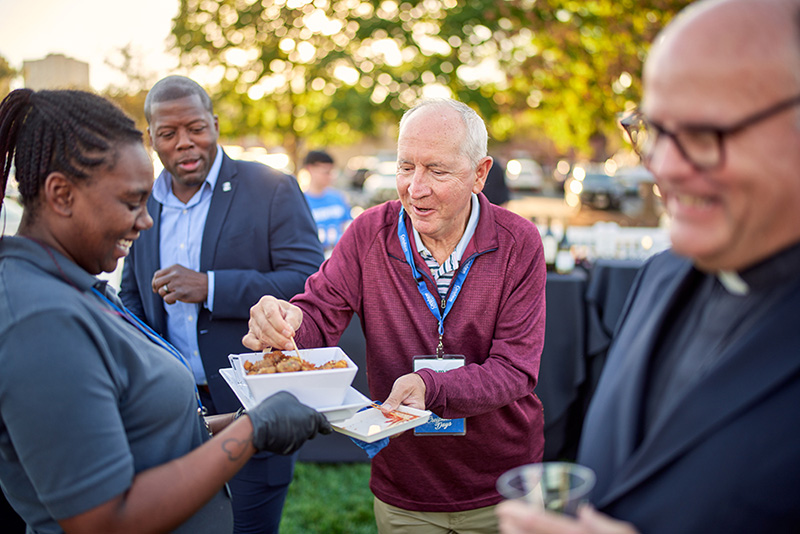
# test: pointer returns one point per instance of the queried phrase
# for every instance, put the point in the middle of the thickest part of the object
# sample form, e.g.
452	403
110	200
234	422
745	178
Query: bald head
728	72
745	46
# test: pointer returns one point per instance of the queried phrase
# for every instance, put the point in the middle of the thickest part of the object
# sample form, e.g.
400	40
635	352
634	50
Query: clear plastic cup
556	486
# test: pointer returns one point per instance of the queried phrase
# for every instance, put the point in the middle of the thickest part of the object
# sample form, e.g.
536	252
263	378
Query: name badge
436	426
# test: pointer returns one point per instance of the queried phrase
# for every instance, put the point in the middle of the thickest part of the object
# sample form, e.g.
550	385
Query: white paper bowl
354	400
317	389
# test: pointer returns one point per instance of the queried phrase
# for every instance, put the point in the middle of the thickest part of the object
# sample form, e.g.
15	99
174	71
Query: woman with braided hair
100	425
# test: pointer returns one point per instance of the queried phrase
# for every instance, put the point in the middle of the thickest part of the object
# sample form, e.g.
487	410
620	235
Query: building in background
56	71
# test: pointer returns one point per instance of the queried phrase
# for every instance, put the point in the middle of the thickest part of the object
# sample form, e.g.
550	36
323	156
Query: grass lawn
329	499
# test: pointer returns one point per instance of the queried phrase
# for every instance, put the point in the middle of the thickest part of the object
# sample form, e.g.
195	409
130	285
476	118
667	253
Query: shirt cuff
209	304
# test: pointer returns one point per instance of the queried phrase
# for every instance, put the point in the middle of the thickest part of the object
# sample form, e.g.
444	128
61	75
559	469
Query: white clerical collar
733	283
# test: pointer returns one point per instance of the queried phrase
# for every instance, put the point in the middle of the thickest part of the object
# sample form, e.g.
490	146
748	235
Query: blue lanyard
430	300
153	336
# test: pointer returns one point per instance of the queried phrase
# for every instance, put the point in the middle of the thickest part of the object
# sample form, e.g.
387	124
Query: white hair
476	138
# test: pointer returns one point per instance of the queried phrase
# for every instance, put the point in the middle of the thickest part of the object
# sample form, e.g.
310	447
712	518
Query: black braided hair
67	131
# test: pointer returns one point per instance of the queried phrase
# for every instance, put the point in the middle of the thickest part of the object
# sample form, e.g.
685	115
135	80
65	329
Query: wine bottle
565	261
550	246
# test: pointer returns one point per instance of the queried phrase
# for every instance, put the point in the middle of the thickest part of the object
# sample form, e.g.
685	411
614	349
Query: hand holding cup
555	486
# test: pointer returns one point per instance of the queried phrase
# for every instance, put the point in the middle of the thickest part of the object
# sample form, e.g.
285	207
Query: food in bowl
322	388
278	362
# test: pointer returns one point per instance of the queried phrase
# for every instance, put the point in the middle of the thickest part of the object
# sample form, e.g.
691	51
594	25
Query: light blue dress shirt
180	239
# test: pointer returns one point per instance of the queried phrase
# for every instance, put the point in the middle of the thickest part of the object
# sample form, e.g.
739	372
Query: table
605	298
582	310
562	370
582	313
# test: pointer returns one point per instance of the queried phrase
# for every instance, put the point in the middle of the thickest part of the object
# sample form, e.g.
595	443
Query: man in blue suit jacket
225	233
693	427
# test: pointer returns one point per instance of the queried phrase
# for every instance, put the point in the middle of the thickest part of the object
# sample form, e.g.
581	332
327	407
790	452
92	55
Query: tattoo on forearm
235	448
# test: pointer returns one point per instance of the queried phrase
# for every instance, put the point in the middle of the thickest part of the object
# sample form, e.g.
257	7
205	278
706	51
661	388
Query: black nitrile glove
281	424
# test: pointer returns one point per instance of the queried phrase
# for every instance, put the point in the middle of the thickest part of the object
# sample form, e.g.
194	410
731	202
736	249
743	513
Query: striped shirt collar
455	257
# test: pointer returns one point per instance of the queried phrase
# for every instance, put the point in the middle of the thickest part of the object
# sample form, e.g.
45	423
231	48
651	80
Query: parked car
632	178
381	185
524	174
597	190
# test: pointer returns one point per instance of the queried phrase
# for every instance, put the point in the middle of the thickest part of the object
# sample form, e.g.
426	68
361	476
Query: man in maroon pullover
439	272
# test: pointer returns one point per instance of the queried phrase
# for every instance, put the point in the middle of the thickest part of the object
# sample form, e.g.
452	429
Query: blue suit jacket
726	456
259	239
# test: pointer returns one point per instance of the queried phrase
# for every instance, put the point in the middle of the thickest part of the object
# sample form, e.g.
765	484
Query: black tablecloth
605	297
562	370
582	312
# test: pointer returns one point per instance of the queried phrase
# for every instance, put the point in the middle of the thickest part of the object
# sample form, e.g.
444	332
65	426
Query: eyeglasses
701	145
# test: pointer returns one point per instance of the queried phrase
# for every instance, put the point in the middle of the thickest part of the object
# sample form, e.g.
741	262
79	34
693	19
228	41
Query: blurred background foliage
548	76
550	73
7	74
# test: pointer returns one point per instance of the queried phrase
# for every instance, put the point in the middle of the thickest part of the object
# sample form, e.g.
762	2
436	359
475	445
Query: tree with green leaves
131	94
7	75
552	72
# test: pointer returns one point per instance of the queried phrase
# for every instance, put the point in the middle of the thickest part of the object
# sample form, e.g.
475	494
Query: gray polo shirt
86	400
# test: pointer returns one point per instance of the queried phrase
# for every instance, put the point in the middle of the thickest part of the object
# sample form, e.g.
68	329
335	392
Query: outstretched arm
163	497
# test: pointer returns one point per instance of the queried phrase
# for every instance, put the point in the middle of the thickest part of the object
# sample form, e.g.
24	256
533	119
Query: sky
90	31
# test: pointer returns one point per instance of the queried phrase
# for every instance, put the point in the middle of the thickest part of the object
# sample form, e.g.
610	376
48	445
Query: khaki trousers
393	520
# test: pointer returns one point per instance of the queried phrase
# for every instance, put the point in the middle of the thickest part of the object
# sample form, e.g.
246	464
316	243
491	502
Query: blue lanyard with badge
126	314
439	362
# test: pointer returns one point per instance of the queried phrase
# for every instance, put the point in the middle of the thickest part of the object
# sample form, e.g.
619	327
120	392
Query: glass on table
556	486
